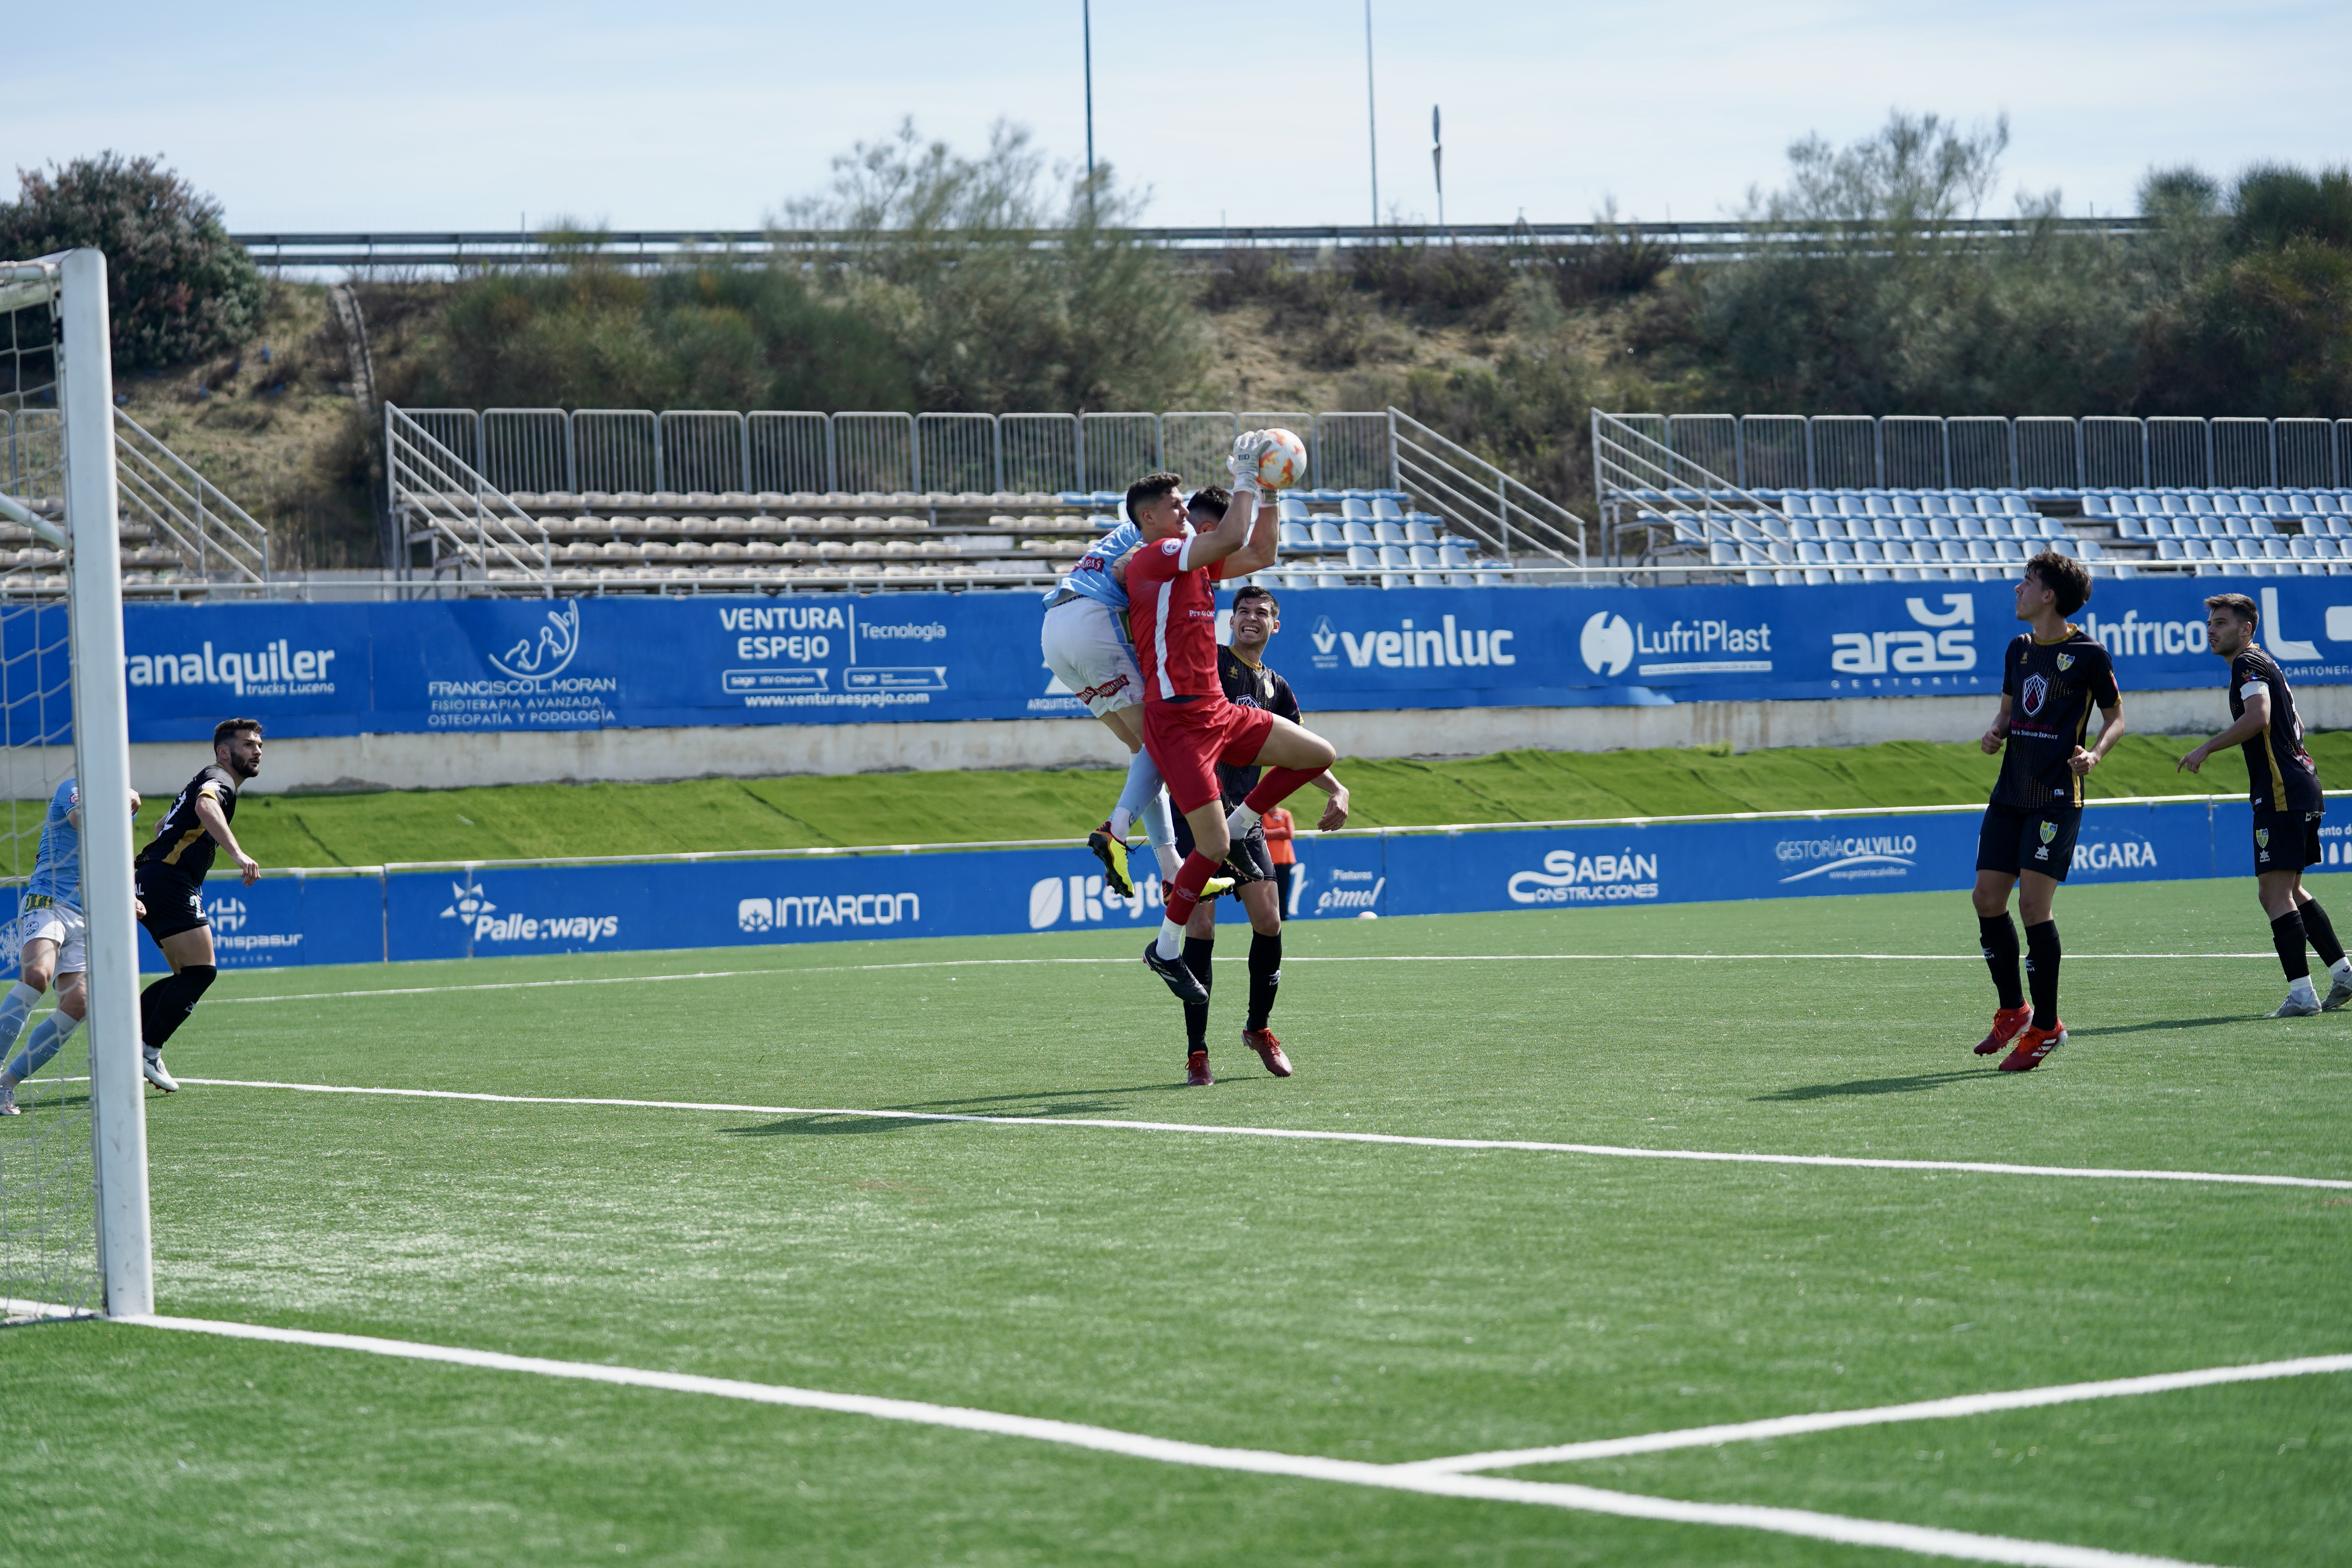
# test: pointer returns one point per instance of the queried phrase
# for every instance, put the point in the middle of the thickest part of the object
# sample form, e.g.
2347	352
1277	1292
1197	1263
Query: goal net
73	1180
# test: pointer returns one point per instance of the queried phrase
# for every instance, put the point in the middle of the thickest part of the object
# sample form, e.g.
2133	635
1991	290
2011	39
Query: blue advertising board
495	665
490	911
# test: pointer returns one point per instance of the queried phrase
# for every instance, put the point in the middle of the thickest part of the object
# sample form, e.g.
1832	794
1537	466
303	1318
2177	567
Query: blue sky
434	114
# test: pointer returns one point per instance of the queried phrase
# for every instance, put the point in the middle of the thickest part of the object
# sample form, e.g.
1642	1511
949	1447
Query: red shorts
1187	740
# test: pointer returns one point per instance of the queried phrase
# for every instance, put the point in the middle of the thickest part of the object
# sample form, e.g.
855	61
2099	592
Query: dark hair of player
227	729
1150	487
2237	605
1211	501
1252	591
2064	577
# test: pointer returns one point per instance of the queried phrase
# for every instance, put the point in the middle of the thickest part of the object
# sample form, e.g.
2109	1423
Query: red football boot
2007	1025
1196	1070
1268	1050
2032	1046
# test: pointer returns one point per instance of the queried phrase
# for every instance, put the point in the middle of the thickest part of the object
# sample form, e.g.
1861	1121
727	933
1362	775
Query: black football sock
1198	952
2287	934
2041	971
1265	976
165	1005
2321	932
1998	937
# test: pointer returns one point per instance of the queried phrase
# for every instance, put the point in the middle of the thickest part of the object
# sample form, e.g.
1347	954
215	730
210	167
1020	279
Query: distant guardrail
381	249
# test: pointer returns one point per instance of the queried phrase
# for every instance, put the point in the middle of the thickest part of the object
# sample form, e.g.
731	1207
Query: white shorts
1085	650
59	924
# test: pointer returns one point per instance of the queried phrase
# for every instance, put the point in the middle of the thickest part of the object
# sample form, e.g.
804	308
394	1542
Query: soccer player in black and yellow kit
170	879
2284	782
2051	678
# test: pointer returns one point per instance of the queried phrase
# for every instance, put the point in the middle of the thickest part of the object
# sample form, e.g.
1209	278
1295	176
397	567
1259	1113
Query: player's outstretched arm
1232	531
2250	723
208	812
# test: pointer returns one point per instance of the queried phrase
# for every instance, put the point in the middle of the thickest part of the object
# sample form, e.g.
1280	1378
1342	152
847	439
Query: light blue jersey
56	869
1091	577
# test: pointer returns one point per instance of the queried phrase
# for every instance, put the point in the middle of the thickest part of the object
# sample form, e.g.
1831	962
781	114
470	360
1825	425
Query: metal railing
215	538
471	528
1481	499
544	451
1841	451
1647	483
487	249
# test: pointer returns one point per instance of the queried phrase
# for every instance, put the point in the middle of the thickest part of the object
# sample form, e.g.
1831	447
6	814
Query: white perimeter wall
443	762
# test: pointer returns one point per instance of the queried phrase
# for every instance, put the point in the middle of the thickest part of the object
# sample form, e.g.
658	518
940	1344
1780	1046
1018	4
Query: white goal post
60	451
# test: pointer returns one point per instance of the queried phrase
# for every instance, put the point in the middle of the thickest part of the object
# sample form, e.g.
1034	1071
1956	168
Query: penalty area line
1927	1540
1297	1134
1299	958
1953	1408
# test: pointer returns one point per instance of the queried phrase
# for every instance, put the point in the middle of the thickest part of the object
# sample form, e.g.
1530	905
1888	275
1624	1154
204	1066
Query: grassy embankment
929	808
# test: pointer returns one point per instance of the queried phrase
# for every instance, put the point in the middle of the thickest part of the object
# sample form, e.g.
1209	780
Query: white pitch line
1305	958
1522	1145
1920	1410
1926	1541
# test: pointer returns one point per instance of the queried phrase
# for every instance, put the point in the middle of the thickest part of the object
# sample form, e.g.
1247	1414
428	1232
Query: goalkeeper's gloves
1249	451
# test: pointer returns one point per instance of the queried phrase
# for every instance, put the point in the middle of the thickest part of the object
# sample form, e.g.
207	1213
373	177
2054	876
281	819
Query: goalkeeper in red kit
1189	725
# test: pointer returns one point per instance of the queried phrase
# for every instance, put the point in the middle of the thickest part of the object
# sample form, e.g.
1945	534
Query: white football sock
1170	863
2342	967
1240	820
1119	821
1171	938
2300	987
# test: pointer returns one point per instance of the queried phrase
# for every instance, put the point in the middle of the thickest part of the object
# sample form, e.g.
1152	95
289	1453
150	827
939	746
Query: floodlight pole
1086	16
1372	121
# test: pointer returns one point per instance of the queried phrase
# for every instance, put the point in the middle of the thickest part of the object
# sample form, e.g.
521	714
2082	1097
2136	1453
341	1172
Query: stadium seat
1420	531
1908	506
1393	557
1358	532
2225	503
2016	505
1290	509
1356	507
1295	536
1384	508
1915	528
1327	535
1362	557
1388	532
1453	556
2261	526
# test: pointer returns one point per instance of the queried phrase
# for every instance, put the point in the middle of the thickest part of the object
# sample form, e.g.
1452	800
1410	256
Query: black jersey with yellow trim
180	840
2280	774
1248	685
2051	687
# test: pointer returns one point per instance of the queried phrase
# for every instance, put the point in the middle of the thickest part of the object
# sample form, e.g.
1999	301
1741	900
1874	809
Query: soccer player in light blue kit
1086	645
49	934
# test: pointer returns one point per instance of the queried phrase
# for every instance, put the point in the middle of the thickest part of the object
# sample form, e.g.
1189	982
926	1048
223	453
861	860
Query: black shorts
2287	840
2020	839
174	903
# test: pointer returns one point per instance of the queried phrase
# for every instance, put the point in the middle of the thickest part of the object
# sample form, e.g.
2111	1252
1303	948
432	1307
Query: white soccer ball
1284	462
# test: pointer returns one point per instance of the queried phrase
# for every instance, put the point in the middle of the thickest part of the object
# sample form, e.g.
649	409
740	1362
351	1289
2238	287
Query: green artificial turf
1375	1302
520	821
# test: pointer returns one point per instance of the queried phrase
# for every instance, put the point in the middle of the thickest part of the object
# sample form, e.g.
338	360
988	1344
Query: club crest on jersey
2037	692
2261	838
2049	831
2065	661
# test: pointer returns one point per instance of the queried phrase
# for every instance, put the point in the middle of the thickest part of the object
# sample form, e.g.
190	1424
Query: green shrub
996	290
177	286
